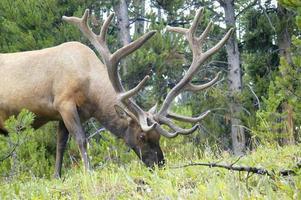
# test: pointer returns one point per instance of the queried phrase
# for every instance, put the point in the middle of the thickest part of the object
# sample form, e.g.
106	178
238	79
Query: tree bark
284	45
235	82
123	24
284	35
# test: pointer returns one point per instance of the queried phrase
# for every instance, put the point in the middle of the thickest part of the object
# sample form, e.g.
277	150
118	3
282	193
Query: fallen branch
254	170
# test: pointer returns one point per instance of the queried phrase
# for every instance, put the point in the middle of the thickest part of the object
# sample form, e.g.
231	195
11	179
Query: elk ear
120	111
125	114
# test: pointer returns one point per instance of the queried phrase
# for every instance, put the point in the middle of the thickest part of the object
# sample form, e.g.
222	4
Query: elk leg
3	131
72	122
61	141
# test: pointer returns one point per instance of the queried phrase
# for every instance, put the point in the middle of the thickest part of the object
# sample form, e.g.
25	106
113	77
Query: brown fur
41	80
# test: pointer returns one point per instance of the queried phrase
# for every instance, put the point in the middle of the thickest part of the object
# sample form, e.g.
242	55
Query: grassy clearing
129	179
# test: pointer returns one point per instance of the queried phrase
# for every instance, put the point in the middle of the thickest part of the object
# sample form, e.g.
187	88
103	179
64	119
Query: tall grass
118	174
131	180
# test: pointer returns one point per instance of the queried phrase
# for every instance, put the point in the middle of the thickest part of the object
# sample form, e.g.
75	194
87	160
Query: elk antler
199	57
112	60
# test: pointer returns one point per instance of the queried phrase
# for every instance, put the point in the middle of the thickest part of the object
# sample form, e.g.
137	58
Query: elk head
145	127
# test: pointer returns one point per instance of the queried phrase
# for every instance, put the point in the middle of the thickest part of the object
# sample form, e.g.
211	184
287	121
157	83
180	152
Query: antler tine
193	27
177	29
205	33
135	90
167	134
144	125
196	21
168	122
195	88
104	28
82	24
220	44
188	119
128	49
78	21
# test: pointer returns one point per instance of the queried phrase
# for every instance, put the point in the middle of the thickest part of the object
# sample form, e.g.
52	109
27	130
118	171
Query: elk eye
142	138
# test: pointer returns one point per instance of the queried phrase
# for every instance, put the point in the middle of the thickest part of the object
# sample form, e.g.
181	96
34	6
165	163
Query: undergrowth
118	174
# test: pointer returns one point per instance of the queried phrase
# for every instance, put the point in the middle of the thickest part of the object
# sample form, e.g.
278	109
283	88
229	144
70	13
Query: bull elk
69	83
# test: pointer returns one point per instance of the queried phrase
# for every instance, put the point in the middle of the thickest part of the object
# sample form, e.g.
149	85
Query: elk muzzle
151	156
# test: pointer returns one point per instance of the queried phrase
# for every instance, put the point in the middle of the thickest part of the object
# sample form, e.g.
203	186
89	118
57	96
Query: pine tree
285	92
32	24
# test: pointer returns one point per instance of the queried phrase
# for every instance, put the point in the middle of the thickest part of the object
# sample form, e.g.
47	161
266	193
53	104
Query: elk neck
103	98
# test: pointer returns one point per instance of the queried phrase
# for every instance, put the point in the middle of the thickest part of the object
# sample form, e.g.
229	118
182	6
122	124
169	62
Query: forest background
255	105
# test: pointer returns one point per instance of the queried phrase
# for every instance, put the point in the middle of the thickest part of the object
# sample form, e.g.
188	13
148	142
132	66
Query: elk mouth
151	164
151	158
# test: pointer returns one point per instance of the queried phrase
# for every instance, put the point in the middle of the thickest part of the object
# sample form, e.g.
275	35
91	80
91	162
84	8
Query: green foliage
134	181
285	87
119	174
31	24
30	150
269	118
260	56
171	6
290	3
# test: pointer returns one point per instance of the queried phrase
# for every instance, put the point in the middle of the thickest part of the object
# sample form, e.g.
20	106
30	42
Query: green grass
122	176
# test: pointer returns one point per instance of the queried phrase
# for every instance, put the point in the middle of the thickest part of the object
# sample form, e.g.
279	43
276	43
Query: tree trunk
284	44
288	131
123	24
284	35
235	83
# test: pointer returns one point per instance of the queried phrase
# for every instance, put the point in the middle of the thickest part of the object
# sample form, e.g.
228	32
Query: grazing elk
69	83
